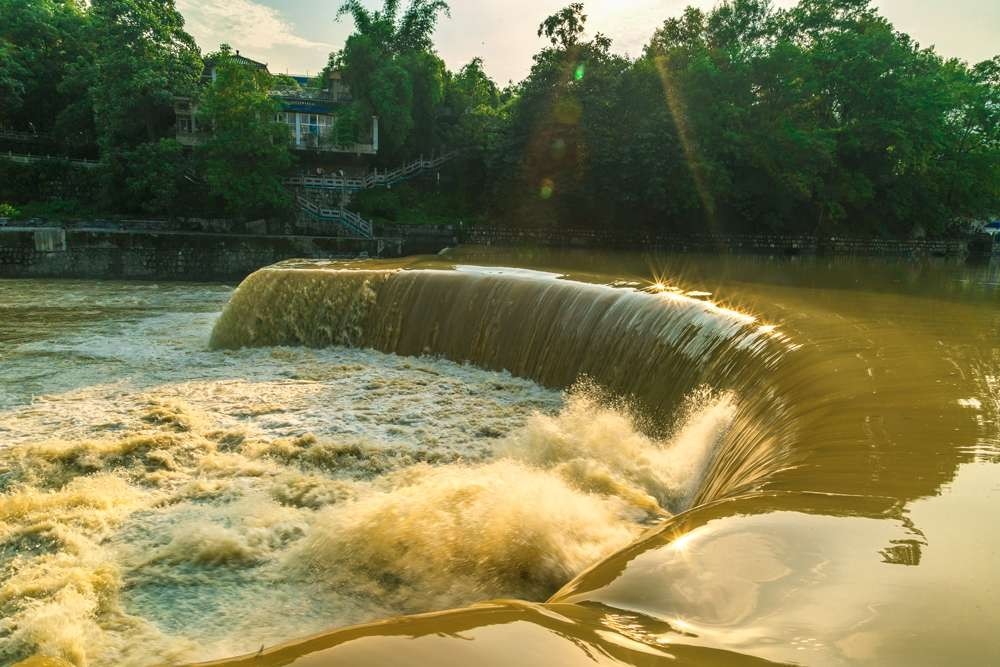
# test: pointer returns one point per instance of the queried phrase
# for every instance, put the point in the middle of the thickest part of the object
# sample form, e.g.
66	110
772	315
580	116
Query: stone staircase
375	179
350	222
325	198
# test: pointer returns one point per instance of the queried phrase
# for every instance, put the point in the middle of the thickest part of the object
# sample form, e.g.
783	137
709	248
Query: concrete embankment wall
163	255
59	253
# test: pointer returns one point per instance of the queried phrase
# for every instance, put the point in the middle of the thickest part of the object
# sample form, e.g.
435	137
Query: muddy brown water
646	459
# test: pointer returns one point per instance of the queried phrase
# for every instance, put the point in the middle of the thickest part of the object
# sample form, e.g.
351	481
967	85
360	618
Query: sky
296	36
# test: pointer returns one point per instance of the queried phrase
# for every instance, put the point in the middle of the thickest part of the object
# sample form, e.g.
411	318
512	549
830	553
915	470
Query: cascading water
681	481
650	348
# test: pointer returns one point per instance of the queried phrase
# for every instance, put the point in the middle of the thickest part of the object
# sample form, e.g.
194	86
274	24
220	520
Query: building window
315	126
184	125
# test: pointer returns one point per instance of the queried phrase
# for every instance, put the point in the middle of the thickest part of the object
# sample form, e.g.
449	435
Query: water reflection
755	576
786	578
500	634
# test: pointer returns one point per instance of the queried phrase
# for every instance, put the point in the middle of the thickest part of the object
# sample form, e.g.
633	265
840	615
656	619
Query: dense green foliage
55	185
821	118
393	72
103	78
134	87
817	119
246	149
46	53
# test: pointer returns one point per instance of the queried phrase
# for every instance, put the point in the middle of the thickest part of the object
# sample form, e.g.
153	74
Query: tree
389	96
13	82
426	73
473	87
565	27
284	83
246	155
46	47
558	119
393	73
145	60
345	128
394	34
471	116
159	176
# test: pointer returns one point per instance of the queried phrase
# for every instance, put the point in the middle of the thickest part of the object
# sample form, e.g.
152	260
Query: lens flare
548	189
678	111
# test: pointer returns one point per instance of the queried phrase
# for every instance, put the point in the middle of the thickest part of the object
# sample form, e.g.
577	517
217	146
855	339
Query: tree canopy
246	155
820	118
144	61
817	119
46	51
393	72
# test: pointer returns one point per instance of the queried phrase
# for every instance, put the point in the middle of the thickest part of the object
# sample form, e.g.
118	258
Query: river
637	459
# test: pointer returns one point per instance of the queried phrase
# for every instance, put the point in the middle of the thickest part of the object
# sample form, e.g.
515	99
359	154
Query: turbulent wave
650	347
181	536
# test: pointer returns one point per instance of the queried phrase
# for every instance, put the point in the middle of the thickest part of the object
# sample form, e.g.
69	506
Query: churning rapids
800	468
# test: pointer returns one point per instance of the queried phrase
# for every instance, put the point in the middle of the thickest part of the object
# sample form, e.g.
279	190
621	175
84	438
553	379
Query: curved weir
652	348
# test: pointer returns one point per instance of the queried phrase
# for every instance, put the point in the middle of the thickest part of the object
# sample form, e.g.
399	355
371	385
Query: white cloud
244	24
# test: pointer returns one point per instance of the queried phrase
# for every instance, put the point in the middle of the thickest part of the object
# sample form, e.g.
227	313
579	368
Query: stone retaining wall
57	253
154	255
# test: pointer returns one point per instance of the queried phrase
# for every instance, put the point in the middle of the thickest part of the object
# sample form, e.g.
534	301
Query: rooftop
242	60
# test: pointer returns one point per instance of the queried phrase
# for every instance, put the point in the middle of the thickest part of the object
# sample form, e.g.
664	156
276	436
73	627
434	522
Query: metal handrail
27	158
349	220
372	180
22	135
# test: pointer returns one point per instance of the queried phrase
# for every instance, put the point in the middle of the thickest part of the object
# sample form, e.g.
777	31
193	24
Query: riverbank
142	255
156	254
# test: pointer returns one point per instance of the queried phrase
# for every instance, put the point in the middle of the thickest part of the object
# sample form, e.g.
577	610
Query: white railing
22	135
357	149
350	221
375	179
29	159
355	222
